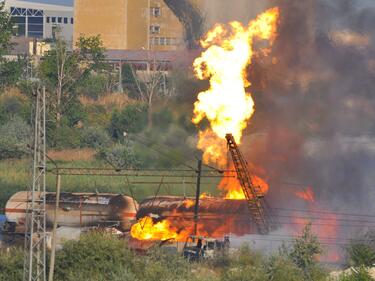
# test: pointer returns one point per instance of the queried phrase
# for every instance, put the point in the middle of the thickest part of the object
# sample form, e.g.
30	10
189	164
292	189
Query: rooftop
39	5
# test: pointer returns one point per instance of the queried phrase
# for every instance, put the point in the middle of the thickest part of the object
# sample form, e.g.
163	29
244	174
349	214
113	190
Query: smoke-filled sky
316	104
315	101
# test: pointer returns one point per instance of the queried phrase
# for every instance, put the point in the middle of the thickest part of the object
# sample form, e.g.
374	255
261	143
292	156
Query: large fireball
227	105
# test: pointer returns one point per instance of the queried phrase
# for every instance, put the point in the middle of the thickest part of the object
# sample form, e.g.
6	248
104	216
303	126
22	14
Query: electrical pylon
35	235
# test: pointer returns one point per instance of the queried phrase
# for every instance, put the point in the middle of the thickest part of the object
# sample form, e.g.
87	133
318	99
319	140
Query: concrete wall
137	29
66	30
125	24
106	18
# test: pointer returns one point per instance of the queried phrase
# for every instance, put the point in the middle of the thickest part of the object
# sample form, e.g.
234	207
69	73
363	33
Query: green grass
15	175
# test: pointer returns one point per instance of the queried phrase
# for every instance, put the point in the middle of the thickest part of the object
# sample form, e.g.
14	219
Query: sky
70	2
61	2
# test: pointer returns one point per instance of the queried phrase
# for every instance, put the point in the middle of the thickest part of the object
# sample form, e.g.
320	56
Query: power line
323	212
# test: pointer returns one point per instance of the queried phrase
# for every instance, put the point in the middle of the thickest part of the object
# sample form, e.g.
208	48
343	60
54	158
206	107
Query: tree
63	70
132	119
151	82
5	31
10	71
15	138
305	249
304	254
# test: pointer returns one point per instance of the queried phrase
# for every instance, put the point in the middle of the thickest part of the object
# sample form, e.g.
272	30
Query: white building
40	20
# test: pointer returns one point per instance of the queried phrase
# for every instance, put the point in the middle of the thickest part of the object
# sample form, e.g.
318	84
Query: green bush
15	138
98	256
11	264
120	156
128	81
64	137
11	72
96	85
282	269
304	253
74	114
95	257
360	254
13	106
162	119
132	119
361	275
95	137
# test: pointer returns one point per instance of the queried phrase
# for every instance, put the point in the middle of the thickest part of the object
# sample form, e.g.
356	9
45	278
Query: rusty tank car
217	216
75	210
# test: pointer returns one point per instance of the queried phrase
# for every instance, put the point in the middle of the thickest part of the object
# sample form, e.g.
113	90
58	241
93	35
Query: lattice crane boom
252	192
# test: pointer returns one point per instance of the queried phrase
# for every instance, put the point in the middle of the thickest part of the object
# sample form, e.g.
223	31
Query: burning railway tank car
75	210
217	216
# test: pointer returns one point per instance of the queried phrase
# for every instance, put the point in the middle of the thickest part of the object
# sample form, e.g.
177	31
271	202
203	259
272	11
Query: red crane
253	193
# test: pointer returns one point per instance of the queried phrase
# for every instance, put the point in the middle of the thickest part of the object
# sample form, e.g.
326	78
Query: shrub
64	137
162	266
11	264
95	257
361	275
304	254
162	119
120	156
95	85
95	137
360	254
15	138
74	114
132	119
12	106
282	269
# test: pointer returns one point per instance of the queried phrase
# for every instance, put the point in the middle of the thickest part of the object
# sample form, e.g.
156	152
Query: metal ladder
252	192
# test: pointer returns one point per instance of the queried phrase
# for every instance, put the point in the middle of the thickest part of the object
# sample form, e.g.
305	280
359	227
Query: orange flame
232	188
204	195
307	195
189	203
227	105
146	229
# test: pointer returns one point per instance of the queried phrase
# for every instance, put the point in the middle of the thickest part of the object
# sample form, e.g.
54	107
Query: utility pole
54	231
197	195
35	234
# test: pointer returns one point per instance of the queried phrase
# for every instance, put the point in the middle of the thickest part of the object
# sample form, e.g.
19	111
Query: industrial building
40	20
129	25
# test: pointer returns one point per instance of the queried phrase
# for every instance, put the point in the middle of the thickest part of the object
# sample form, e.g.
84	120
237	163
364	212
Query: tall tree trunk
58	102
149	113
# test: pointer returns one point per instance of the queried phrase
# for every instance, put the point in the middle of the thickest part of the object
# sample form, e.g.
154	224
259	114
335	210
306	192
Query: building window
163	41
53	19
154	29
48	19
156	11
71	21
35	26
59	19
55	30
65	20
19	26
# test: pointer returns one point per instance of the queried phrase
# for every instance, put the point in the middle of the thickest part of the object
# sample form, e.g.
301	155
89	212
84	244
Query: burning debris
165	218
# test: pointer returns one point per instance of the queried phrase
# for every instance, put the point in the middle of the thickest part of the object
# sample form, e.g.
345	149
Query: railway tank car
75	210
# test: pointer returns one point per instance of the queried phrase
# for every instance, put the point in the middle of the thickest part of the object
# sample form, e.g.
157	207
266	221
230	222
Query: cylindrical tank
76	210
217	216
